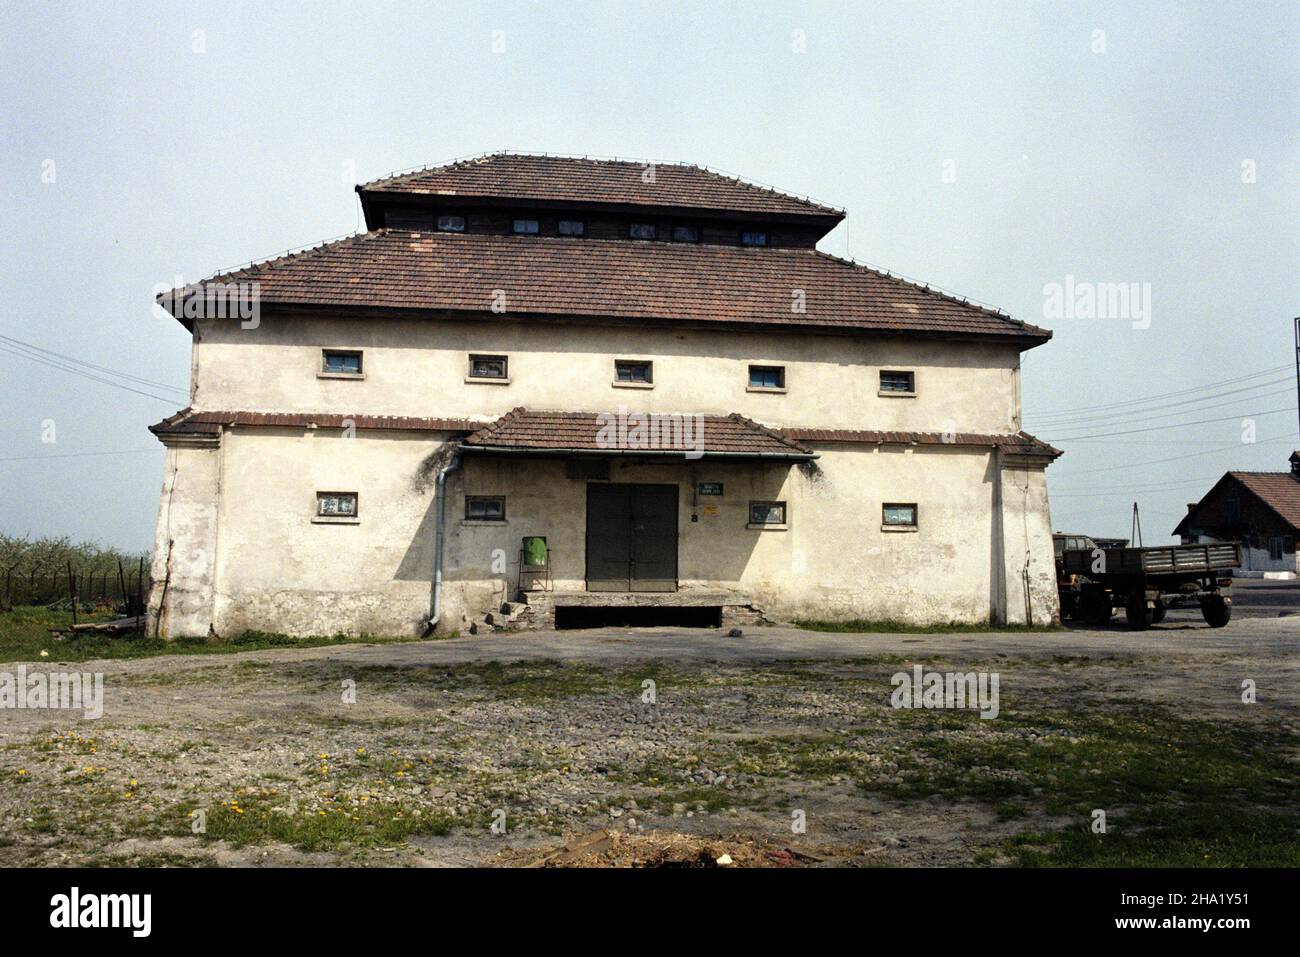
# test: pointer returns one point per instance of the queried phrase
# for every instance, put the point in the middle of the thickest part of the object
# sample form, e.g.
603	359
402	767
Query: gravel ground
506	749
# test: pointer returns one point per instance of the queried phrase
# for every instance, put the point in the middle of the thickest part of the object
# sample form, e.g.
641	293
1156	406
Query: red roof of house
1280	491
562	278
669	433
581	181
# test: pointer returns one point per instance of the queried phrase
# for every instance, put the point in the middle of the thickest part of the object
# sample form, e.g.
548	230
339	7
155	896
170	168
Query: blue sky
1110	157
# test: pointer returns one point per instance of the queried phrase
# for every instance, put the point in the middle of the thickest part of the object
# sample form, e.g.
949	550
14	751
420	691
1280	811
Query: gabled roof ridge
467	161
774	433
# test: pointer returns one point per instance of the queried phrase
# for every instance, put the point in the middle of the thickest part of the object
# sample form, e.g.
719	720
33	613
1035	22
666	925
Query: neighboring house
1261	510
368	450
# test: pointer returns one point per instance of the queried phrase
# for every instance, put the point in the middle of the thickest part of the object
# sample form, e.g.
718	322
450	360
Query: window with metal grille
898	382
767	377
485	508
572	227
767	513
902	515
753	238
339	362
633	370
526	227
642	231
336	504
487	367
451	224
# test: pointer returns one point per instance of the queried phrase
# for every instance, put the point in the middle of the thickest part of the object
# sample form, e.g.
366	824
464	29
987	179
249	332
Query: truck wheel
1136	610
1158	613
1094	606
1216	611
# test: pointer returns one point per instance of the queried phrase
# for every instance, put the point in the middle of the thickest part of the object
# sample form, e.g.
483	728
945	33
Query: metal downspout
440	493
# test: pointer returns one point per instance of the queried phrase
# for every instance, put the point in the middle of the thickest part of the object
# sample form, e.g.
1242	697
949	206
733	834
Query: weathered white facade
241	544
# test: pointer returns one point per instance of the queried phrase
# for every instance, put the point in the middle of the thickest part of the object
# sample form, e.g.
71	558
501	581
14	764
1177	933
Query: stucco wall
1028	559
185	543
274	568
418	368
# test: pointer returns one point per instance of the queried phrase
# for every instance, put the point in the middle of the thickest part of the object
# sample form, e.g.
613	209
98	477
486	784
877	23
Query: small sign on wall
710	488
709	510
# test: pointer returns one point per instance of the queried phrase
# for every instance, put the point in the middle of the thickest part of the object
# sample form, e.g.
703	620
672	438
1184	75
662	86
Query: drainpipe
440	493
999	569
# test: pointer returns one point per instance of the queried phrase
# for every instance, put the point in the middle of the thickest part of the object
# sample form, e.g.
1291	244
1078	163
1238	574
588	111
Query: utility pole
1297	365
1136	530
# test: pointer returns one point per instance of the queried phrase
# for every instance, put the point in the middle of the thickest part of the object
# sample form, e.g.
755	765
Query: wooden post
121	581
139	595
72	588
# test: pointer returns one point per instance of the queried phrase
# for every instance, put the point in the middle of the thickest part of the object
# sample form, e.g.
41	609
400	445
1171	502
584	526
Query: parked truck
1146	582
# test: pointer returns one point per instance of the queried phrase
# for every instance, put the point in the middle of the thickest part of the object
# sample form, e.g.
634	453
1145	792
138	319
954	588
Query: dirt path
780	745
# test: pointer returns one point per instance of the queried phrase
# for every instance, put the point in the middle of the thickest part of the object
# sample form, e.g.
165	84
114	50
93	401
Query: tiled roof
189	422
1019	443
1280	491
535	429
717	435
565	179
561	277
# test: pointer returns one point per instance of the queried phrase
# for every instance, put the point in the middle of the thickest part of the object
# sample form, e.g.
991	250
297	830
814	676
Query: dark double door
631	537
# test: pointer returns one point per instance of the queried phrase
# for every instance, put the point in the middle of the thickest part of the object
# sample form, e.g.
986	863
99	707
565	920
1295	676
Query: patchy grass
859	626
1177	792
336	825
25	633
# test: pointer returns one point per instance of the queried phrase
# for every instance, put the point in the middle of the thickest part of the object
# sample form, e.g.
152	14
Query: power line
1168	395
87	375
75	455
1179	458
1181	405
90	365
1169	425
1126	489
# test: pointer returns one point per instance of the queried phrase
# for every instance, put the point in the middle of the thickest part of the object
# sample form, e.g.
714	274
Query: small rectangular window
634	370
767	377
686	234
901	383
642	231
451	224
767	513
526	227
899	515
485	508
487	367
336	504
340	362
572	227
753	238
